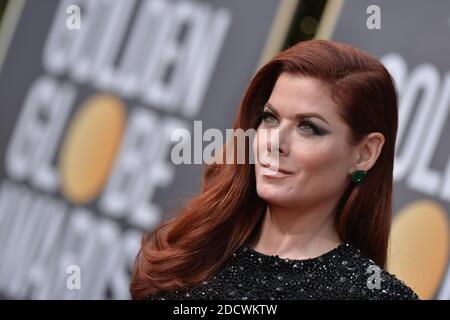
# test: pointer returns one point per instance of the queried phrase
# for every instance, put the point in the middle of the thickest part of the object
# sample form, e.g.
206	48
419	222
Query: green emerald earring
358	175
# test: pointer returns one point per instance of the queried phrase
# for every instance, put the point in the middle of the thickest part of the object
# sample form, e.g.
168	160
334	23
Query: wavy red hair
187	249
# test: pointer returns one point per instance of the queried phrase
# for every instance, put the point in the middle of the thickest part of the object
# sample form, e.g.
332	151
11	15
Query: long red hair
187	249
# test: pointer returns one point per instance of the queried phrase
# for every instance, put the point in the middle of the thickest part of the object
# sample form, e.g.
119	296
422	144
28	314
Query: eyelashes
311	125
266	115
269	117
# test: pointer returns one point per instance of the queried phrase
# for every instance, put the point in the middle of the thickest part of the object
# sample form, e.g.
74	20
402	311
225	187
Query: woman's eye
308	128
305	125
268	117
311	127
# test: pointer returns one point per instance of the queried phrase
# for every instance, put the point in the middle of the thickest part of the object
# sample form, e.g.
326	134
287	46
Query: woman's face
313	149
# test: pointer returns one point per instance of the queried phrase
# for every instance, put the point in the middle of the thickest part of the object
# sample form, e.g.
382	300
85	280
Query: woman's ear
368	151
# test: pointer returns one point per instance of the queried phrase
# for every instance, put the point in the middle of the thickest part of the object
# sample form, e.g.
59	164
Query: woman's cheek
258	145
254	146
312	157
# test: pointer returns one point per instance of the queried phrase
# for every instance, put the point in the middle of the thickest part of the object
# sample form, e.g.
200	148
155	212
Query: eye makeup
269	118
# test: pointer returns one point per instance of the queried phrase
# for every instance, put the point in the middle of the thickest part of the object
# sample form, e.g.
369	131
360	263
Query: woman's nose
277	142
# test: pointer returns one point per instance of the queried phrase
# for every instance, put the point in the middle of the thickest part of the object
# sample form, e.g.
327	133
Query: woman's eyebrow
298	115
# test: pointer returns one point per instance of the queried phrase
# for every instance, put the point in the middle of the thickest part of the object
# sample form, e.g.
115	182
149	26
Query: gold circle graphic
419	245
90	146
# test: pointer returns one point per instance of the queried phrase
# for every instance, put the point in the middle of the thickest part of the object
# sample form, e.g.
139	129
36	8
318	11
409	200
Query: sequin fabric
342	273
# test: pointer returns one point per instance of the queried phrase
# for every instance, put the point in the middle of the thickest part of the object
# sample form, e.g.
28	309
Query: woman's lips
269	172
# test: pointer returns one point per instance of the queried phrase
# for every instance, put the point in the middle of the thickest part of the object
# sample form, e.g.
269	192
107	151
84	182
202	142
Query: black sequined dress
342	273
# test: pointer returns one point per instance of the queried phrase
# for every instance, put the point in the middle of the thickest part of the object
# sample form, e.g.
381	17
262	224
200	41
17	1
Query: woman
312	225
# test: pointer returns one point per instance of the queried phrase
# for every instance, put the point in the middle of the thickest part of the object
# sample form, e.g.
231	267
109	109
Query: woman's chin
272	195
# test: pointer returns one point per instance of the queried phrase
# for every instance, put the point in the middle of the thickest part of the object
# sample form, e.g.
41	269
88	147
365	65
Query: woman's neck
296	233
